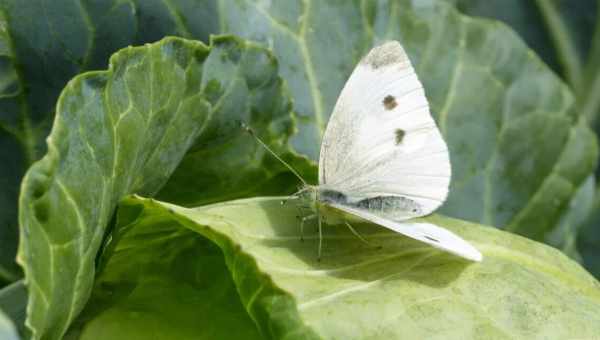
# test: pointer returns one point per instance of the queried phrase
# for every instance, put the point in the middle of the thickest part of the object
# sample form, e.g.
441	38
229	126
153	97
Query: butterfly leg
320	236
357	234
302	220
286	200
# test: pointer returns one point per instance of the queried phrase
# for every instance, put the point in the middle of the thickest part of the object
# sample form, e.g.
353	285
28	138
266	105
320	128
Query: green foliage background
523	157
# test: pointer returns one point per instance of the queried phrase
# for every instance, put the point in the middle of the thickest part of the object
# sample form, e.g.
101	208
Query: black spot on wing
431	239
399	136
389	102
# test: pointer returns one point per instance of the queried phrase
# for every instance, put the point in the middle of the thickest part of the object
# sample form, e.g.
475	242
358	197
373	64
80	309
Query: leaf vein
512	225
336	295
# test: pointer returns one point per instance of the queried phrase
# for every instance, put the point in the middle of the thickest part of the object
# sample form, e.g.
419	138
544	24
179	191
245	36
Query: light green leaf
125	131
157	280
521	290
518	150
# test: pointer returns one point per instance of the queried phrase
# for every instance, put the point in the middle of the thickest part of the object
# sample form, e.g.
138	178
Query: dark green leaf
564	237
7	329
588	242
188	18
518	150
569	32
12	155
51	41
566	34
521	15
13	302
576	21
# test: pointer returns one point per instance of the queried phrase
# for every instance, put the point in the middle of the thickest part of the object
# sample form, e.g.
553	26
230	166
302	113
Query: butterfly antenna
251	132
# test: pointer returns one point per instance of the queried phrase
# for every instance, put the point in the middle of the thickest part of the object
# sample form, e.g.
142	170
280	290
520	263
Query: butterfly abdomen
388	204
385	204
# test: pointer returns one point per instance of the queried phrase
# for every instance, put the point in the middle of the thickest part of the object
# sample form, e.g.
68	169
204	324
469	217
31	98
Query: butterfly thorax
319	199
309	196
313	195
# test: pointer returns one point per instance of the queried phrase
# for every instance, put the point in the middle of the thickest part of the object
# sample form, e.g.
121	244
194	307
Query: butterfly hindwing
421	231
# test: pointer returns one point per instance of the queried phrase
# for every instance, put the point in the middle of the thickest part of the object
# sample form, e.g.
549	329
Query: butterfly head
308	195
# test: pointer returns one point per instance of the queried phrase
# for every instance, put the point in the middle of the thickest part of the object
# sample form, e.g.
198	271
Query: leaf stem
565	49
587	97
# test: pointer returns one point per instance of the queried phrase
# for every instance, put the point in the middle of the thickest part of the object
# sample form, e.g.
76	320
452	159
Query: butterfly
383	158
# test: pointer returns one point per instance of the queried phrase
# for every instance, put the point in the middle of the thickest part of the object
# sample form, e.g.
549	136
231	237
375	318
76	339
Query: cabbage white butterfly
383	158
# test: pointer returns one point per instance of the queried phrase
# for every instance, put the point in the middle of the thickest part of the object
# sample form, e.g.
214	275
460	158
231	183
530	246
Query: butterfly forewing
383	159
381	139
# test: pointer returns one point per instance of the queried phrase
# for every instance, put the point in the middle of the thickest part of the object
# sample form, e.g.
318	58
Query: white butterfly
383	158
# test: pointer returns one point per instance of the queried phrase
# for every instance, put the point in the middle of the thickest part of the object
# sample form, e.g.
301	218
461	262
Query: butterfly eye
389	102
